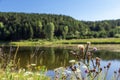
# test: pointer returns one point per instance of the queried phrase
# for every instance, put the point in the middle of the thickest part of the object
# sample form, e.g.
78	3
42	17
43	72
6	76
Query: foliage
22	26
49	31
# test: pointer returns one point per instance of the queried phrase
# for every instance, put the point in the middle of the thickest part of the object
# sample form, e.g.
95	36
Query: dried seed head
88	43
109	63
104	67
100	69
79	63
115	72
119	71
97	59
108	66
94	70
81	47
97	72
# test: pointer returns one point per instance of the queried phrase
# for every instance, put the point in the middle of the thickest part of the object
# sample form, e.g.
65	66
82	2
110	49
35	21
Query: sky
87	10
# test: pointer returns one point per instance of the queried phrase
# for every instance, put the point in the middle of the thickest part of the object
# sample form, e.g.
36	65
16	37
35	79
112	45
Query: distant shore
39	42
107	43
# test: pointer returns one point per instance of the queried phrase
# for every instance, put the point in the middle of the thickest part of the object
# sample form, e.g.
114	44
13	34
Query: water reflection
51	57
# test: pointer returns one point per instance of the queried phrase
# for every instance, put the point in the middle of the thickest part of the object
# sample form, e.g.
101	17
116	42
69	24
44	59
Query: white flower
72	61
33	64
28	73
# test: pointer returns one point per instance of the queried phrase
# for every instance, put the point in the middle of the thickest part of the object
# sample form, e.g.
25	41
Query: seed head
88	43
108	66
81	47
100	69
119	71
115	72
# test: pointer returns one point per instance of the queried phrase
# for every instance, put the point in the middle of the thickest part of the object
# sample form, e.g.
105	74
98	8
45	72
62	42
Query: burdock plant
85	67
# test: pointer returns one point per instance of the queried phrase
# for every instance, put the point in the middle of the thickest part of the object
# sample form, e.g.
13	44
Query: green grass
62	42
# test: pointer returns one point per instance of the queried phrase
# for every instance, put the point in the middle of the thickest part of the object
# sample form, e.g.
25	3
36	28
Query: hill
23	26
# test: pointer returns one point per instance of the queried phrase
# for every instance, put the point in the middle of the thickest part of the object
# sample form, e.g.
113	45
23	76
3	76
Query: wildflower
72	61
86	71
94	49
33	64
28	73
73	52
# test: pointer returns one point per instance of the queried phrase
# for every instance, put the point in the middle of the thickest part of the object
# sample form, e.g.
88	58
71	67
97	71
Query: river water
54	57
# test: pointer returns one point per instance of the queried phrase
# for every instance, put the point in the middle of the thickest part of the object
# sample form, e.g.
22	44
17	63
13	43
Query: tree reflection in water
51	57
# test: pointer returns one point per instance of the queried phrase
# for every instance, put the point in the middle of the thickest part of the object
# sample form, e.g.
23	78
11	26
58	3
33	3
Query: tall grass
10	68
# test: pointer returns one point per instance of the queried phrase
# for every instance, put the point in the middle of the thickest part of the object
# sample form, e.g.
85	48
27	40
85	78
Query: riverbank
39	42
101	43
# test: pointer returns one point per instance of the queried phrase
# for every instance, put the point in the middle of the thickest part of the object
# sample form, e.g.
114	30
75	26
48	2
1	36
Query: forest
24	26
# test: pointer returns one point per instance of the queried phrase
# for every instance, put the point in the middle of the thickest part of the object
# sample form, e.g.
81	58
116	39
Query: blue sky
88	10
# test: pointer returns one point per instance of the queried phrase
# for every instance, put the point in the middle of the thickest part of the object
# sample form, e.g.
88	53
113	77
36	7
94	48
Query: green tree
49	31
1	25
1	30
65	31
30	32
39	28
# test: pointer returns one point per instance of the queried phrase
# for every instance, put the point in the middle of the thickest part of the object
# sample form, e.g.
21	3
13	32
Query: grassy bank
62	42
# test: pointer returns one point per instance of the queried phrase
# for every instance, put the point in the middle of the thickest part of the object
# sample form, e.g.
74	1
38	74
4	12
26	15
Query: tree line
23	26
